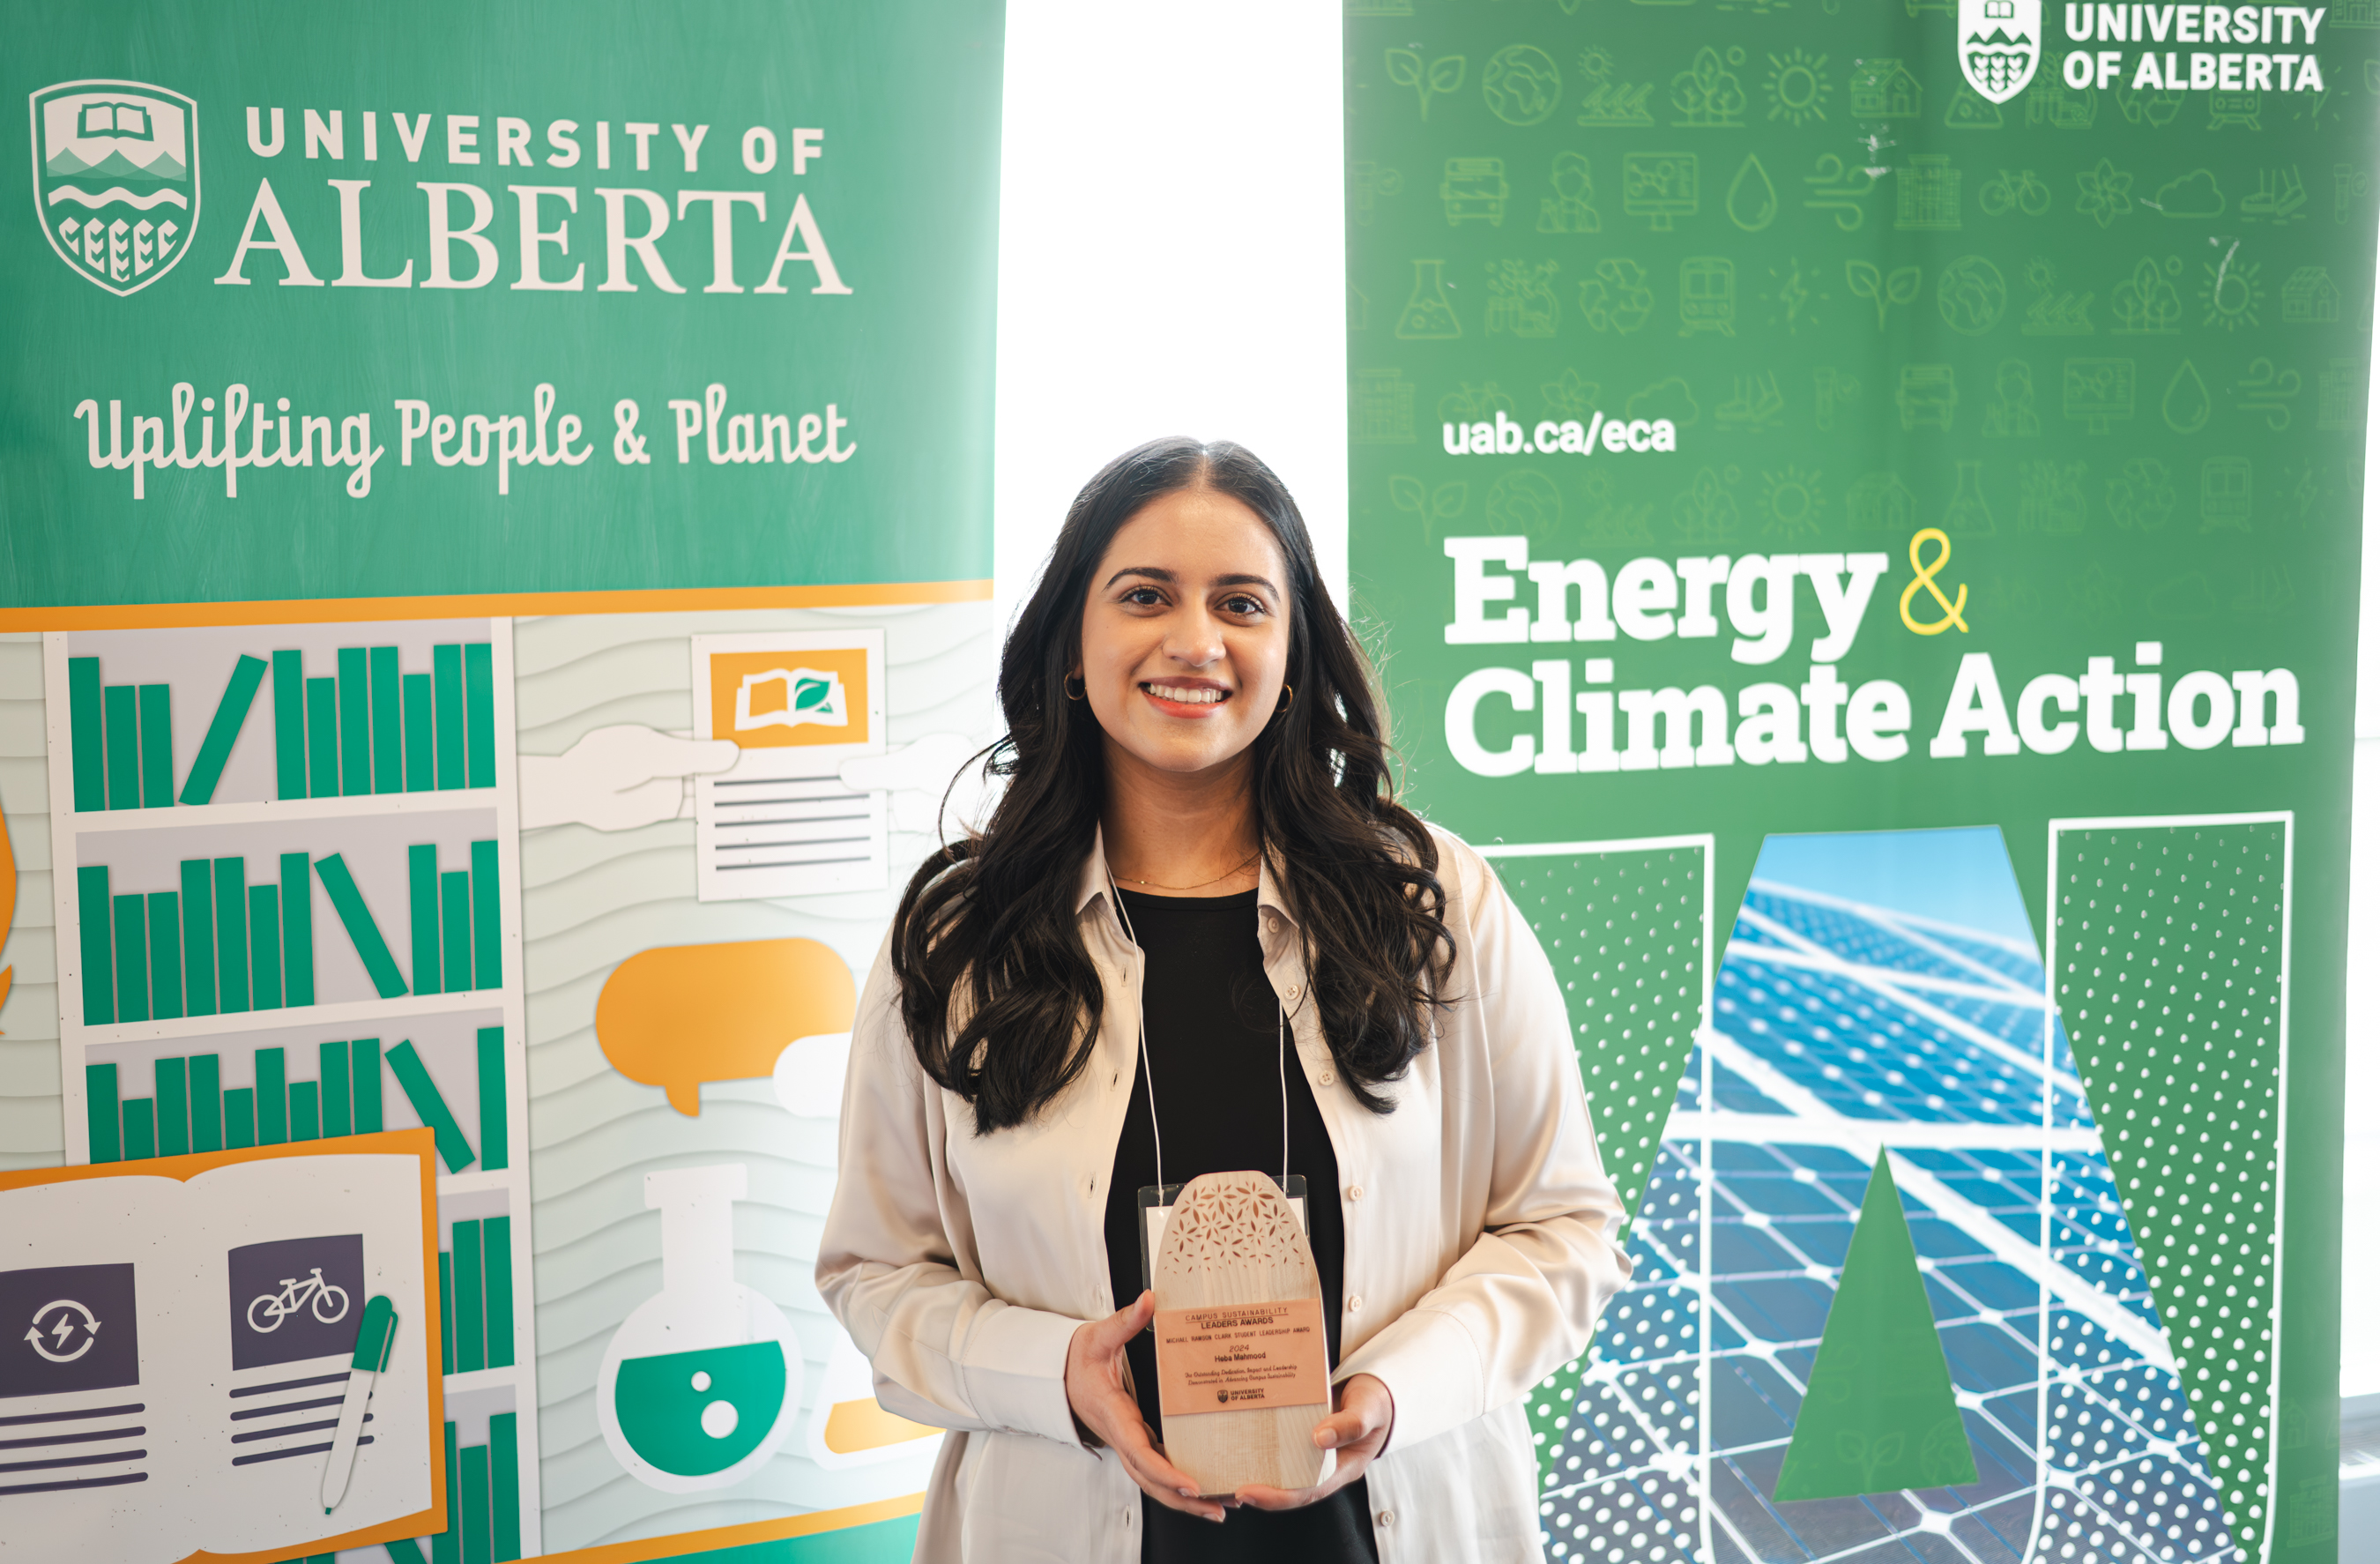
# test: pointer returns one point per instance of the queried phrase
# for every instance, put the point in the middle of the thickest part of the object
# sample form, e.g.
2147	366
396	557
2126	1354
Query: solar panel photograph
1887	1303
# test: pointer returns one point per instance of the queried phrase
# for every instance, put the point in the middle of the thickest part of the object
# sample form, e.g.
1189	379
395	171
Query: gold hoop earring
1076	688
1288	698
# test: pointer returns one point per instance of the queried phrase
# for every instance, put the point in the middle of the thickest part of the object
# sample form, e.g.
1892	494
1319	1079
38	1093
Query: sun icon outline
1797	88
2232	293
1791	499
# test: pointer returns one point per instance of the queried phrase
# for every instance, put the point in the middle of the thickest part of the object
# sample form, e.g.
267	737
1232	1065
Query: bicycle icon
2019	191
328	1301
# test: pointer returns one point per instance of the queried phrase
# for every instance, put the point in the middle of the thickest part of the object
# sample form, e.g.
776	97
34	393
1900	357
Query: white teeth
1185	697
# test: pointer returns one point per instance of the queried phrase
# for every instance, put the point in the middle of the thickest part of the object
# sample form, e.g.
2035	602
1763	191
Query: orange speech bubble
678	1015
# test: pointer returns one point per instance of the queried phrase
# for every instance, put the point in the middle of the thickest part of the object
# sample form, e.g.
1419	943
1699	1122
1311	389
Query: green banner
494	548
1860	504
501	298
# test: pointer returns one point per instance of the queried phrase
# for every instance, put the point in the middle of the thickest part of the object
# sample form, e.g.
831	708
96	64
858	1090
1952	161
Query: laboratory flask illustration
700	1385
1429	314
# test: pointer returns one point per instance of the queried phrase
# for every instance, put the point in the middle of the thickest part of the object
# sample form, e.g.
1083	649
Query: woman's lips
1186	700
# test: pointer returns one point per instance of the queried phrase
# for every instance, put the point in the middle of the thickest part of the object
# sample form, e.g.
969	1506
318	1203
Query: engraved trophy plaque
1243	1363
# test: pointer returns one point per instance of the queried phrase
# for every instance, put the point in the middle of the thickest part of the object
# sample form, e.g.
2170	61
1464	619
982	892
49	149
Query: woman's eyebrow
1158	573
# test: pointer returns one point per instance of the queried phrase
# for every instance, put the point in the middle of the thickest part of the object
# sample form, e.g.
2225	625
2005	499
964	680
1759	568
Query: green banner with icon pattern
1894	471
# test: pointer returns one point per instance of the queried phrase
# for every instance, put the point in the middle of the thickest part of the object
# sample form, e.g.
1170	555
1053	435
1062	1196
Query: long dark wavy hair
998	990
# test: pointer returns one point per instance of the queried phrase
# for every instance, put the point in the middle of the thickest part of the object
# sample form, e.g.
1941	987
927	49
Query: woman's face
1185	632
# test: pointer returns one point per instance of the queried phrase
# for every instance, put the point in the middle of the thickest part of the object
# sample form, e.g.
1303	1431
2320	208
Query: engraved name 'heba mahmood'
116	178
2000	45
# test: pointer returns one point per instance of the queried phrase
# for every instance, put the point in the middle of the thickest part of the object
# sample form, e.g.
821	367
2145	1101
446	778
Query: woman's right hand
1094	1388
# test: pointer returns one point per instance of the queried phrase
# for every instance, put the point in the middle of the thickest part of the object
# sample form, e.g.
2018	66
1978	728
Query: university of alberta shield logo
1999	43
116	178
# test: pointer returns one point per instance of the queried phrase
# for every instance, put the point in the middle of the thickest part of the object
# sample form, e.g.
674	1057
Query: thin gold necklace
1202	885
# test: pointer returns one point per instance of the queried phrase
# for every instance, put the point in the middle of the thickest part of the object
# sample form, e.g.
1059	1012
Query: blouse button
1354	1192
1354	1305
1290	990
1387	1517
1327	1079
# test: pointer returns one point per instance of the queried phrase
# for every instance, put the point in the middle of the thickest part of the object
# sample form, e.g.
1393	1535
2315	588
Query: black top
1216	1042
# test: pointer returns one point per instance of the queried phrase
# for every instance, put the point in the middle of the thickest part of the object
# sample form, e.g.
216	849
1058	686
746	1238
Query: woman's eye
1243	605
1143	597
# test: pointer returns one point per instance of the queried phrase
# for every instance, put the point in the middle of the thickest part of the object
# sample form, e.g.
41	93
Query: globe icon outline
1521	85
1971	296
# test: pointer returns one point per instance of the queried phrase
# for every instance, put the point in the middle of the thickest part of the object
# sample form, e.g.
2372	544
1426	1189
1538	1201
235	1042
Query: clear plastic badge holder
1156	1208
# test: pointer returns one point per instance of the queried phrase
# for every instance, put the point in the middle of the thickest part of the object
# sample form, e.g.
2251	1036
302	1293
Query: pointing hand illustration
929	781
617	779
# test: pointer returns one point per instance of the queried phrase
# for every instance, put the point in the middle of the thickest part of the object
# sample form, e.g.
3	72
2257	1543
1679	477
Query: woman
1197	871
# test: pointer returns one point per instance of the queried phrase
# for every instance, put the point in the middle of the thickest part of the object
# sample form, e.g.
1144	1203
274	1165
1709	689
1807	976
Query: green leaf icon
1440	75
812	692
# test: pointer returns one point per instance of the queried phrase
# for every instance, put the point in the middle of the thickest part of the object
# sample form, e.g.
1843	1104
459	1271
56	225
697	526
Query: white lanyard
1155	1134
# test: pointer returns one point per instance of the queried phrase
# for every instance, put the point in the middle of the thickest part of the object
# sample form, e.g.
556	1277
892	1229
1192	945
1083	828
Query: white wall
2359	1360
1171	257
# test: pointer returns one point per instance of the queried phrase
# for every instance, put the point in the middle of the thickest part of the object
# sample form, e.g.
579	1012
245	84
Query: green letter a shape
1880	1414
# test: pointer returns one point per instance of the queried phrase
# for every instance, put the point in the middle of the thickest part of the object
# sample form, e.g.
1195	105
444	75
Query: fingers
1350	1465
1341	1429
1357	1434
1158	1477
1112	1412
667	755
694	756
1109	1335
1365	1410
1115	1417
629	753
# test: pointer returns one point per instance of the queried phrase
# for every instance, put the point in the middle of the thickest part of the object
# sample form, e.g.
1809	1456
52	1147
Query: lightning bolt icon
65	1329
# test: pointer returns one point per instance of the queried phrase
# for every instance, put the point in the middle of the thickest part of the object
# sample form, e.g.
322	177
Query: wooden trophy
1242	1365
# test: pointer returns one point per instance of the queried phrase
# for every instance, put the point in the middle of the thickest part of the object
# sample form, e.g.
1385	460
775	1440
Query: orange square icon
790	699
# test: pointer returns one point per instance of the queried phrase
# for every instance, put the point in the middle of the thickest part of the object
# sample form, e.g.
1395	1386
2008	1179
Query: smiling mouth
1188	695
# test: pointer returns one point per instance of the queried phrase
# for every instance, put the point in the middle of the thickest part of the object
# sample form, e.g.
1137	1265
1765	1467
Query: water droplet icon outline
1752	197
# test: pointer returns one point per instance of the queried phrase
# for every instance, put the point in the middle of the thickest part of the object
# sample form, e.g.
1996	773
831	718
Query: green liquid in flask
693	1413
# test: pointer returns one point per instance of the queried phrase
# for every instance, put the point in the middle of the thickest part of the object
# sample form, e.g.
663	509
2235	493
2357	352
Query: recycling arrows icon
45	1336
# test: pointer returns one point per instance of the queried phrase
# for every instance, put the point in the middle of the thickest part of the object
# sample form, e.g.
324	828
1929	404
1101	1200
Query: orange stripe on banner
475	605
681	1544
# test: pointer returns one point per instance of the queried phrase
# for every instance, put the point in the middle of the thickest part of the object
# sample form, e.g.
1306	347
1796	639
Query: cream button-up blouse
1481	1247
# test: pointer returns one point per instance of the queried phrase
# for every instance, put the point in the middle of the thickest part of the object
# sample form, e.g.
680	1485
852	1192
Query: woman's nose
1196	640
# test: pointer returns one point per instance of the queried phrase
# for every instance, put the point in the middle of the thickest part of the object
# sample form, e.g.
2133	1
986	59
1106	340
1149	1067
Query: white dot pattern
2169	979
1625	932
1616	1435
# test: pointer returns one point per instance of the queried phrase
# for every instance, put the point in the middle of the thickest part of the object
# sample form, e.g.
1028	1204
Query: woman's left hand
1358	1431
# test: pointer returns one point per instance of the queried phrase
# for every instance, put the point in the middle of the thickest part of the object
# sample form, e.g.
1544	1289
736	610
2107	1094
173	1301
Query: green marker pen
375	1336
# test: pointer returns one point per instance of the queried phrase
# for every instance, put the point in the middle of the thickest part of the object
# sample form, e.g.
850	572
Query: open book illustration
175	1343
